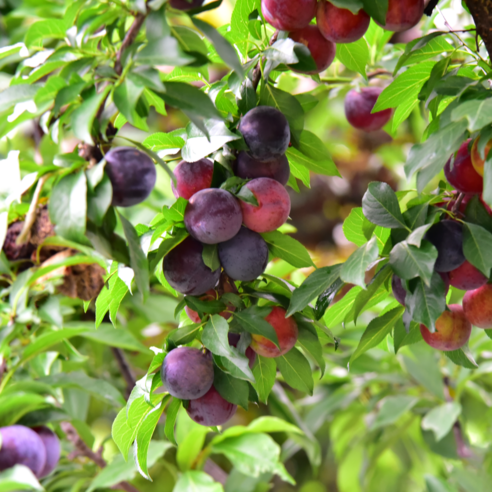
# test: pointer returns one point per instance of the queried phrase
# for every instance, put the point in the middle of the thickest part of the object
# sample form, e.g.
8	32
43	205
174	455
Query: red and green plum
187	373
340	25
453	330
132	174
273	205
477	305
211	409
403	14
245	256
322	50
266	132
52	446
185	270
447	237
186	4
248	167
359	106
192	177
286	330
461	174
467	277
477	161
288	15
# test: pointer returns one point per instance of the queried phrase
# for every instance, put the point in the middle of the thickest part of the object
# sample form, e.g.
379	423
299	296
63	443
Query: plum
211	409
186	4
340	25
248	167
245	256
192	177
453	330
477	305
288	15
22	446
250	353
213	216
52	446
225	285
187	373
286	330
185	270
266	132
400	293
447	237
132	174
403	14
467	277
359	106
273	205
461	174
477	161
322	50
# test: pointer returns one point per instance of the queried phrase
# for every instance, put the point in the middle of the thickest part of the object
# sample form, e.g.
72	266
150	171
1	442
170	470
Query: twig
379	71
457	204
125	368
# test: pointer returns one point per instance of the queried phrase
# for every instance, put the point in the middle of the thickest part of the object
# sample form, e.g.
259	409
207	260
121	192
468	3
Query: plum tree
192	177
213	216
186	4
132	174
248	167
185	270
460	173
211	409
477	161
447	237
322	50
477	305
187	373
266	132
288	15
453	330
22	446
52	446
467	277
250	353
245	256
403	14
286	330
340	25
400	293
273	205
359	106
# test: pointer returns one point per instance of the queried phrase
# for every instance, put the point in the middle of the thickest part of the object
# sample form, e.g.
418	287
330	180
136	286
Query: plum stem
457	205
126	370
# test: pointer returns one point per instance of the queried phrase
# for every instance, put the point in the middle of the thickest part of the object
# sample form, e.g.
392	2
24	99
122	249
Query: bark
481	11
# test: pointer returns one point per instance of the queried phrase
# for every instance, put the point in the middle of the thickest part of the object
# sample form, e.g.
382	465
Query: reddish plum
359	106
248	167
340	25
211	409
477	305
192	177
460	173
403	14
467	277
288	15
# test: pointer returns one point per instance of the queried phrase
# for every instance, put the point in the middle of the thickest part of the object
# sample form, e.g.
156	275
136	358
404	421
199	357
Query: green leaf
231	389
288	249
478	113
377	9
296	371
476	244
171	415
310	343
423	48
190	447
17	478
357	228
210	256
49	28
126	96
376	331
264	371
402	338
440	420
435	484
17	94
163	51
353	5
164	141
462	357
354	269
392	409
197	481
380	206
13	406
355	56
253	321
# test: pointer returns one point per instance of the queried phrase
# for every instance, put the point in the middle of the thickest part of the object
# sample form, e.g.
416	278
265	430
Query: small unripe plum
186	4
211	409
22	446
288	15
245	256
286	330
322	50
213	216
400	293
273	206
467	277
185	270
447	237
477	161
403	14
341	25
187	373
250	353
477	305
453	330
52	446
132	174
248	167
359	106
266	132
460	173
192	177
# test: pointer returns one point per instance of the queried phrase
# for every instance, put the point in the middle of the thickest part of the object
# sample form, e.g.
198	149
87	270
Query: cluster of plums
37	448
453	329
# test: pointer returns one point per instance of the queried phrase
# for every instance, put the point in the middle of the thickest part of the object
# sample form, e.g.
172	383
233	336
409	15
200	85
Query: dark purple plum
211	409
250	353
248	167
52	446
192	177
213	216
400	293
447	237
266	132
22	446
359	106
185	270
245	256
187	373
132	174
186	4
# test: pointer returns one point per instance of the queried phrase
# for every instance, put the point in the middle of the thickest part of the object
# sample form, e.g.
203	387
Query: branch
481	11
125	369
457	204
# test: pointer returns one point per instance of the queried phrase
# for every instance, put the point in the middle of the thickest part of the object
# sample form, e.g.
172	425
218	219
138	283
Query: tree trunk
481	11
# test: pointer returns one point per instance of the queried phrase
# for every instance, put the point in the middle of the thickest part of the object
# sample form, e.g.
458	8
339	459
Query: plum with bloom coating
192	177
359	106
52	446
461	174
211	409
288	15
403	14
248	167
447	237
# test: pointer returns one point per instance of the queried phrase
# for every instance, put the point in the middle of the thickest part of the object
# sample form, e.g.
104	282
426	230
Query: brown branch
457	204
125	369
481	11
